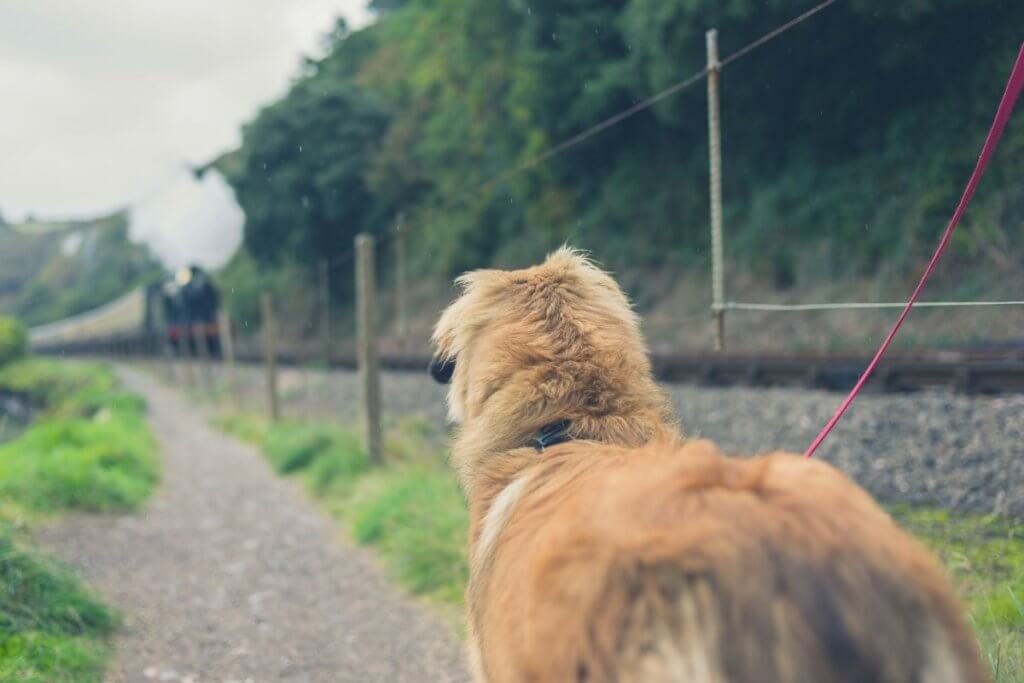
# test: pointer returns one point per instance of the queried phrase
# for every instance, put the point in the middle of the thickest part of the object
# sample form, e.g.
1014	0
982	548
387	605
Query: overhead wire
461	195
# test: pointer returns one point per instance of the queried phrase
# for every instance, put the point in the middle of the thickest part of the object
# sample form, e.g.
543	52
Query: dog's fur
634	554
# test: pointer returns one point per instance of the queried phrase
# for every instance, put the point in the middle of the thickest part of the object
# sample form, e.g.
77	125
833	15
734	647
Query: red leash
1013	89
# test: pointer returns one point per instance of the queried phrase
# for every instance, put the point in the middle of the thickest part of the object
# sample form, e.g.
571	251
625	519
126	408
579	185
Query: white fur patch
495	519
942	665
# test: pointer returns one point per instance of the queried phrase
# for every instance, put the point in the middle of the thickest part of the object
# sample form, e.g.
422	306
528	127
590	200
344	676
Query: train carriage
182	309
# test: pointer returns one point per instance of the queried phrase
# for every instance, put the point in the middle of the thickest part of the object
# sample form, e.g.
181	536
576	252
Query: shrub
13	341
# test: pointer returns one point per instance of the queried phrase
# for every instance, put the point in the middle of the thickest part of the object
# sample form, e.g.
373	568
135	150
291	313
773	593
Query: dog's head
524	348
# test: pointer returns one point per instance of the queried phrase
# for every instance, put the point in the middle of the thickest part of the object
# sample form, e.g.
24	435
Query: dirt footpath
230	574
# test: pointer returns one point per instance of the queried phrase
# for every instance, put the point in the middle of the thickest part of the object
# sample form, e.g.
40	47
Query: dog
605	546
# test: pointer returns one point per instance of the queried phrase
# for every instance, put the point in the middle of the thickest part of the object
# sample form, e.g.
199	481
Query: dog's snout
441	369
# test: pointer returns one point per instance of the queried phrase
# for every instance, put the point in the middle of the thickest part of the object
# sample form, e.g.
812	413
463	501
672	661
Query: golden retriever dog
605	546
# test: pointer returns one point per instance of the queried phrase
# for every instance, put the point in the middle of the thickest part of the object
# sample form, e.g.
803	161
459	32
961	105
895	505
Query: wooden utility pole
715	163
325	311
401	300
366	317
227	349
270	355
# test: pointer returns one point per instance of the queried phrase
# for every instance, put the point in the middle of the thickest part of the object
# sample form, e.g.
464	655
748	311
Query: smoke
189	221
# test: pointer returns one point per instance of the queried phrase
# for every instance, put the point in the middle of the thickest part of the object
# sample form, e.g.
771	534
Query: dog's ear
441	369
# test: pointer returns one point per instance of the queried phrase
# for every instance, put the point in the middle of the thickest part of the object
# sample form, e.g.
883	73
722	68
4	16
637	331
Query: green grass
88	449
413	513
51	628
985	557
410	509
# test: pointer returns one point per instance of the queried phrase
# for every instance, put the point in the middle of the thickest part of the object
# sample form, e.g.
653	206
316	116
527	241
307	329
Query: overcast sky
103	101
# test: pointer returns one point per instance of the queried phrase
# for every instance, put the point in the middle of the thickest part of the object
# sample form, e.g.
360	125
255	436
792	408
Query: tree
828	133
301	177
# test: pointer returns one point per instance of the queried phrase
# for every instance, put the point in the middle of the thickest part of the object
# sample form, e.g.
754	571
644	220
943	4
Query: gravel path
230	574
953	451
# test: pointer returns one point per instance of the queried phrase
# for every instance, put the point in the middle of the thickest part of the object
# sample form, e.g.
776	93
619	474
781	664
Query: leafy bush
12	340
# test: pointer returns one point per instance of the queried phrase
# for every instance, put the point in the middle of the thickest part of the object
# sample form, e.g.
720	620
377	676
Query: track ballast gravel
231	574
953	451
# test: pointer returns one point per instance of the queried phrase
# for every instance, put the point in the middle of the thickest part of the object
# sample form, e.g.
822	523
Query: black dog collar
551	435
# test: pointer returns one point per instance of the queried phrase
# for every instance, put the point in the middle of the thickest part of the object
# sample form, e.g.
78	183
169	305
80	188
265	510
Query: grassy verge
87	449
413	513
985	556
410	510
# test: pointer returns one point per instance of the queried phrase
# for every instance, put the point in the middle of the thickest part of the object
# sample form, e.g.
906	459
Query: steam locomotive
190	303
179	313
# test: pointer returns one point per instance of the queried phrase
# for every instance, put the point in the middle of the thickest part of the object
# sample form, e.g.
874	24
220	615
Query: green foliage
69	390
301	171
411	509
848	138
97	464
337	468
42	279
12	340
241	283
51	628
985	556
246	427
416	517
293	447
37	595
89	450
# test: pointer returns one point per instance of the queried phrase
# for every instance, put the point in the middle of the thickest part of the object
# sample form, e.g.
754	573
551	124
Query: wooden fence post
325	311
366	317
270	355
715	163
401	293
227	349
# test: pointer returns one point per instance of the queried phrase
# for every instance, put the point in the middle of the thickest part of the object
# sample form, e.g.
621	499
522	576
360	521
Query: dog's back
672	563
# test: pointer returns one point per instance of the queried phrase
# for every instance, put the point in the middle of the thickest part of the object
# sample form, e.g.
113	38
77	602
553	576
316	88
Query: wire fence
328	339
719	306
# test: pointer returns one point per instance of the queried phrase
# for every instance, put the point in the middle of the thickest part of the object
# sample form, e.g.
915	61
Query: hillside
50	270
845	144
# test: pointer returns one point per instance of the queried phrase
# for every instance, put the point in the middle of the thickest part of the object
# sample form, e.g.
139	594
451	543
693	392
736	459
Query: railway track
991	371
